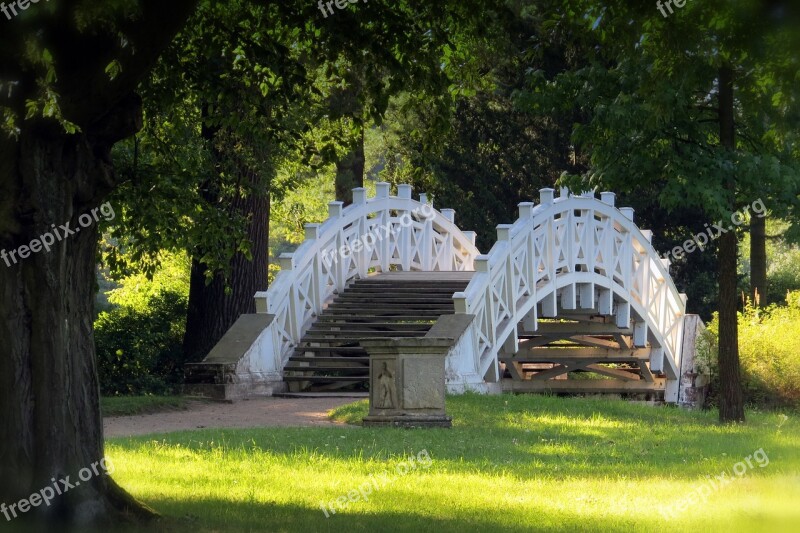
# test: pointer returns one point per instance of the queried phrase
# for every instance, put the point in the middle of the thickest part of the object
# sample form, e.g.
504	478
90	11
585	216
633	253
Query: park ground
510	463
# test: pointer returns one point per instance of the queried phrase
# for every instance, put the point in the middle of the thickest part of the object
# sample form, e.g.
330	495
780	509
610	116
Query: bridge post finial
261	302
359	195
286	261
423	198
471	236
382	189
608	198
449	214
504	232
627	212
563	192
525	209
482	263
335	209
312	231
460	303
404	191
546	196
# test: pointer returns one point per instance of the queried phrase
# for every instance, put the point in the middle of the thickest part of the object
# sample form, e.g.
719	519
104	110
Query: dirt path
262	412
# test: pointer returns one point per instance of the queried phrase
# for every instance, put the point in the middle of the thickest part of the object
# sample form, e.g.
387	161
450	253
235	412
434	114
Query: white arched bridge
571	298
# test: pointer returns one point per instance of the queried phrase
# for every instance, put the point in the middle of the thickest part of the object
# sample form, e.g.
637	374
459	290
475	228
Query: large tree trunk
758	260
212	311
49	395
731	407
346	102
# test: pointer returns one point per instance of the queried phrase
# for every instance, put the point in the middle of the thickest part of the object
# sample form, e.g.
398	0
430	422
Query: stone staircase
395	304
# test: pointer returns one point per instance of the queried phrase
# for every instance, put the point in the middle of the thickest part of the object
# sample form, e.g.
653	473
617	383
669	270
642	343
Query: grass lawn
510	463
137	405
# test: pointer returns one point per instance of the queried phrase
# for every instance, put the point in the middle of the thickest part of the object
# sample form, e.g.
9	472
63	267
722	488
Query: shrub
142	352
769	352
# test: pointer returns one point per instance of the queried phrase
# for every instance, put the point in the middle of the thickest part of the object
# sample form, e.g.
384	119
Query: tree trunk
345	102
758	260
731	407
49	394
350	171
211	310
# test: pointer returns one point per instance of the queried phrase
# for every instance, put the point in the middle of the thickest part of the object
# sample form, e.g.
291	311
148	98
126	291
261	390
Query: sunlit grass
511	463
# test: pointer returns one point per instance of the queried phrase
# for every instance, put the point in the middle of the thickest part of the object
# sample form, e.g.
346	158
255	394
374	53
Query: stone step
317	379
328	360
361	328
357	289
338	318
455	287
388	298
399	312
365	304
351	336
304	349
363	370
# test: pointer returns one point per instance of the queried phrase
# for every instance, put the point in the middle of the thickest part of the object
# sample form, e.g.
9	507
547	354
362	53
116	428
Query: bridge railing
372	234
580	244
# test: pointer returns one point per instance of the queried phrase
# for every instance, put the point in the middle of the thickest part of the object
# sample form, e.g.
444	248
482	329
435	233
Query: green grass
510	463
136	405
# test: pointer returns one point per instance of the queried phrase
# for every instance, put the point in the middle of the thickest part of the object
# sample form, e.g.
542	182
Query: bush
769	352
142	352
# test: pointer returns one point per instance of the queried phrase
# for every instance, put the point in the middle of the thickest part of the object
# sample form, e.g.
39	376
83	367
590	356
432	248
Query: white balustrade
372	234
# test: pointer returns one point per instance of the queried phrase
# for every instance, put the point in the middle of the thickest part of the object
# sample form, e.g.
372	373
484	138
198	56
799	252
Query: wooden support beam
624	341
584	386
644	371
592	328
553	372
515	369
536	341
587	340
557	354
613	373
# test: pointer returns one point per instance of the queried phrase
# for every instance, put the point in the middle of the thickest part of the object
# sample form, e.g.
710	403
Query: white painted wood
565	249
586	295
623	315
640	333
604	302
568	297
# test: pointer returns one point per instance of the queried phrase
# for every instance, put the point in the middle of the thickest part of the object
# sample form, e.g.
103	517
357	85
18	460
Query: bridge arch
573	253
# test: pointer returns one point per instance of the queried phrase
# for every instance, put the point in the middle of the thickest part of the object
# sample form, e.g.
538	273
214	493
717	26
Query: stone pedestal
407	382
